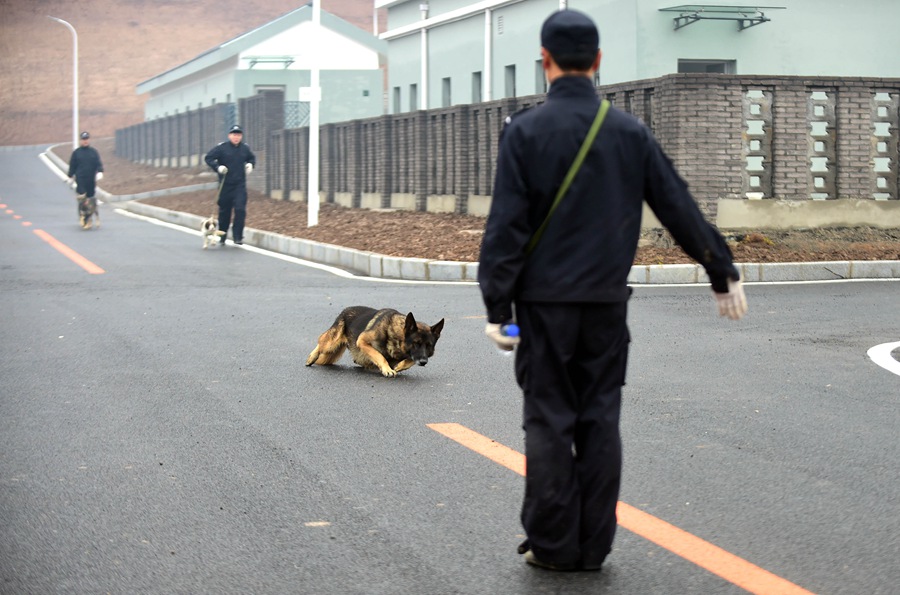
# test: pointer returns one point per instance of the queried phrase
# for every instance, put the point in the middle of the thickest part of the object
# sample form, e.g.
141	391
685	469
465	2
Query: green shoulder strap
573	170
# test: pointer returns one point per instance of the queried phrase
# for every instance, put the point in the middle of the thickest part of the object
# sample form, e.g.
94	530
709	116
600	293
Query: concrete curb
370	264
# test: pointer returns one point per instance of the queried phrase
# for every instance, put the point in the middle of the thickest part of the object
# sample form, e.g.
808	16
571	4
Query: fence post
420	160
462	132
385	160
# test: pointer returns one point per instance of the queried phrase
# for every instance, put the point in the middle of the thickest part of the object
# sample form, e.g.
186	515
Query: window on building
413	98
396	101
510	87
477	97
260	88
708	66
540	81
446	99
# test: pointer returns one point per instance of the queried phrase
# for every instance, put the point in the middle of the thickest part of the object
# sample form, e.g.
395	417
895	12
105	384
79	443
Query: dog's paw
388	373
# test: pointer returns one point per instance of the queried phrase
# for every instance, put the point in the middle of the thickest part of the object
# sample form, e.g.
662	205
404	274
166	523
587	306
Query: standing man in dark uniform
85	170
570	292
233	160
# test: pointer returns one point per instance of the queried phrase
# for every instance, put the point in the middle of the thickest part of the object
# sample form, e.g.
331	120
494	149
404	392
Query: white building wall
404	66
206	88
352	80
808	38
638	41
467	49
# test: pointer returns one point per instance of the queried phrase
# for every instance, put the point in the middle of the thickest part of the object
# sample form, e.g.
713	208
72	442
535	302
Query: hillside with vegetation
120	43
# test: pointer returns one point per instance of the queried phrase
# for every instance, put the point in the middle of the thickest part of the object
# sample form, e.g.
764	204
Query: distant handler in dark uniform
85	167
570	292
233	160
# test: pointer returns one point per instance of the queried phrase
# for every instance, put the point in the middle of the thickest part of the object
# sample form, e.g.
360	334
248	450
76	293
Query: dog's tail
330	347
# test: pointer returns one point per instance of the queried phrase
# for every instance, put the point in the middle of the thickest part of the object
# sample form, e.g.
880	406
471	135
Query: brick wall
730	136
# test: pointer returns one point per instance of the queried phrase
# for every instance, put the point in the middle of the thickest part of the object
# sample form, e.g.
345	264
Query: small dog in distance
211	232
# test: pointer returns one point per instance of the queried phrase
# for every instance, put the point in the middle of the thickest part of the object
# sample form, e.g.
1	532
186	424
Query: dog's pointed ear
411	325
437	328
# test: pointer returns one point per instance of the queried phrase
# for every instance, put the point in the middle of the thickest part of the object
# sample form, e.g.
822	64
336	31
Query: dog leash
570	175
218	194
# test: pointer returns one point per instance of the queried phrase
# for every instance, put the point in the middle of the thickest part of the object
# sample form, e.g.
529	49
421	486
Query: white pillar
487	92
423	75
312	193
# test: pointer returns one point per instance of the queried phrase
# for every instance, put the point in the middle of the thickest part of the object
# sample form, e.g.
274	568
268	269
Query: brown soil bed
458	237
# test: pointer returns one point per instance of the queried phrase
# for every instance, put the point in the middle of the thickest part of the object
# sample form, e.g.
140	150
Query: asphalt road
159	432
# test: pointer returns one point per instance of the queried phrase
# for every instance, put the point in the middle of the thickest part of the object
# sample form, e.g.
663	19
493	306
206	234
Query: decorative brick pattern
885	145
756	144
822	145
730	136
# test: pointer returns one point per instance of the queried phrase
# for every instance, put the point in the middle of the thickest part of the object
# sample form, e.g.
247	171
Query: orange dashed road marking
69	253
733	569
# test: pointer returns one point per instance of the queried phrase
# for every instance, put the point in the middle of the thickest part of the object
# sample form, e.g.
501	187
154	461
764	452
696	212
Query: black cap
570	33
85	135
235	130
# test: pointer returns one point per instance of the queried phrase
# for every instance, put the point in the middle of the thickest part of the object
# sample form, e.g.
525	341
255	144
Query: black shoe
530	558
239	241
222	241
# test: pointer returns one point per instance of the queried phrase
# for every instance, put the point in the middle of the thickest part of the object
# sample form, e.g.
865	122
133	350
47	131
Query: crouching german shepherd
384	340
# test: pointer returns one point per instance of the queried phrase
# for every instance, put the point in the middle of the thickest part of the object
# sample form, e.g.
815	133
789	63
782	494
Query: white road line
348	275
881	355
293	259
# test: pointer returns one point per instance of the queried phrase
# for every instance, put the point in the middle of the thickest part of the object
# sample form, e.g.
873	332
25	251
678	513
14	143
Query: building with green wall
279	56
450	52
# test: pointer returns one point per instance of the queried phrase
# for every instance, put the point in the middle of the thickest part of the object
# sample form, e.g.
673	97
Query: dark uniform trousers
86	184
234	197
571	368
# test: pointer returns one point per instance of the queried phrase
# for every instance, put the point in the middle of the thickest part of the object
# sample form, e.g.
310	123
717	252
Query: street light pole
75	79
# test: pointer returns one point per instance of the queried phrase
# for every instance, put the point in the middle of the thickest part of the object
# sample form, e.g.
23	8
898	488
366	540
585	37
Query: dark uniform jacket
588	248
233	157
83	166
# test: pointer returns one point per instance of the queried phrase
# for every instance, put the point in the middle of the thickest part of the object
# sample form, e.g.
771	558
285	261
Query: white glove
222	170
734	303
495	334
99	176
248	167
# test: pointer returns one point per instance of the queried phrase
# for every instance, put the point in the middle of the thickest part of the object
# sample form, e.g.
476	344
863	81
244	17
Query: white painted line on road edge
881	355
342	273
294	259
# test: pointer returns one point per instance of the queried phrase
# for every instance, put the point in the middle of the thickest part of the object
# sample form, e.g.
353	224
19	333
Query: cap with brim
235	130
570	33
85	135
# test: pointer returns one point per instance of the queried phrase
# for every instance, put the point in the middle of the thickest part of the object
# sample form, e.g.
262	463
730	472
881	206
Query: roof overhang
745	16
